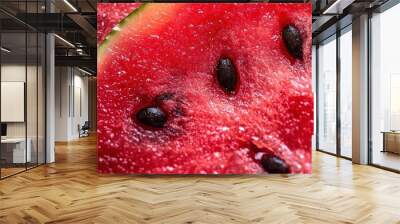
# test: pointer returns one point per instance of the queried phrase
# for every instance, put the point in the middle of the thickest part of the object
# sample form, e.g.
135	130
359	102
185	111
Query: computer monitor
3	129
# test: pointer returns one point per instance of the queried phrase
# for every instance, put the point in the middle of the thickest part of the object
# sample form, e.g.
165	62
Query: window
346	93
385	89
327	96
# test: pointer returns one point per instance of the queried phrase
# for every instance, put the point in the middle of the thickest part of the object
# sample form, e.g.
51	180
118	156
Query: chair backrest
86	125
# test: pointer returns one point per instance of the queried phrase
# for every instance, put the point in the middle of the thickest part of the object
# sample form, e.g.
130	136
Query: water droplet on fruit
226	74
258	156
217	154
116	28
121	73
293	41
154	36
152	116
274	164
224	129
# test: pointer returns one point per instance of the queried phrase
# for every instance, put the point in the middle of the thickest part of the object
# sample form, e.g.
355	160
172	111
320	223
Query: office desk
16	148
391	141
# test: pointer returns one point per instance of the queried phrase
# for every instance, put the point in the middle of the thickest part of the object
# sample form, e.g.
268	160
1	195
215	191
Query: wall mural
204	88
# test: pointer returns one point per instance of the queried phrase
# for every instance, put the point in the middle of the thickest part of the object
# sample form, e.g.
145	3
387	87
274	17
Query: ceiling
74	22
332	15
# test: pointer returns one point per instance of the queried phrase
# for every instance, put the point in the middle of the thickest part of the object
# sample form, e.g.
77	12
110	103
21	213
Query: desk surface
13	140
391	132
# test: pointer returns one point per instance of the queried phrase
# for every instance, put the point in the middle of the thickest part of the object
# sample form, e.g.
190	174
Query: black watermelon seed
274	164
226	74
293	41
152	116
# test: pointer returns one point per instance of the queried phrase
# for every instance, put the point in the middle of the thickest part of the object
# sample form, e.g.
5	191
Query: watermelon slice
109	15
207	89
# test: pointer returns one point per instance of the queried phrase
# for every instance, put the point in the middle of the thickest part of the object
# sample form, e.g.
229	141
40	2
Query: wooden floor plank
70	191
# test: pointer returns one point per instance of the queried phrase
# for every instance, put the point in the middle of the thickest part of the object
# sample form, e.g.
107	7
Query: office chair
84	130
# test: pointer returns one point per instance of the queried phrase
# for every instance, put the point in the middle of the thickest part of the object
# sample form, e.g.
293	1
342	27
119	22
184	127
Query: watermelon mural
204	88
109	15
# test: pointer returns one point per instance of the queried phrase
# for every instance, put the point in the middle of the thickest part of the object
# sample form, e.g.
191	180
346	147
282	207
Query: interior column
360	90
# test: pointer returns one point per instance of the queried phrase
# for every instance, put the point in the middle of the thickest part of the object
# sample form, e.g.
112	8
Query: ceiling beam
82	61
337	7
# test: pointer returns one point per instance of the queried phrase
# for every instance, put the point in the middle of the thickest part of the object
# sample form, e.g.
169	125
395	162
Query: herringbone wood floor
70	191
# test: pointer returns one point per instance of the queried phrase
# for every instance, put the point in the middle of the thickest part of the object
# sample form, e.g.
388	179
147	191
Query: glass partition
14	145
22	88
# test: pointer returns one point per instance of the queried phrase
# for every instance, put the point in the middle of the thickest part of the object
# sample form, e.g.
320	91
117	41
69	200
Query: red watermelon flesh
109	15
166	55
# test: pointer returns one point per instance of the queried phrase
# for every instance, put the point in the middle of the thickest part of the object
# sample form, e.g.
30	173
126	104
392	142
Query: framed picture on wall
12	101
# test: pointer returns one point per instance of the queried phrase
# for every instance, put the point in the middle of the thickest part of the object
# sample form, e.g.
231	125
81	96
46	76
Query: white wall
33	127
16	73
80	109
9	73
62	82
13	73
71	102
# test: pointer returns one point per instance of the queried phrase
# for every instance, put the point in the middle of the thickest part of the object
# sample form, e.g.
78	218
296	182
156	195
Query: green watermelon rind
114	33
